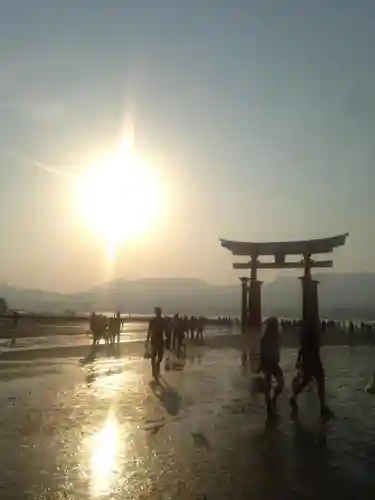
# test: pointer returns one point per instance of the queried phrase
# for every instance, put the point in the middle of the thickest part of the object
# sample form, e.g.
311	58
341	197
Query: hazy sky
258	114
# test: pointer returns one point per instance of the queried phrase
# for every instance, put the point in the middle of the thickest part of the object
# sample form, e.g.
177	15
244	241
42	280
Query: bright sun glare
120	197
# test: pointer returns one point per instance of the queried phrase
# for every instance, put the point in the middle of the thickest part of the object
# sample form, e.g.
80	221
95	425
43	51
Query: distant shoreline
84	318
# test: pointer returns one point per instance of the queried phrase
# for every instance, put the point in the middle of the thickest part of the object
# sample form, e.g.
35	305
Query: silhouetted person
175	329
168	333
192	325
200	328
183	329
118	326
16	318
113	330
15	323
155	335
98	327
310	366
180	326
270	363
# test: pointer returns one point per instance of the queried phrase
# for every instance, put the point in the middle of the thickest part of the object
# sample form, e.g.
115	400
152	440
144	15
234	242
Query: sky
257	115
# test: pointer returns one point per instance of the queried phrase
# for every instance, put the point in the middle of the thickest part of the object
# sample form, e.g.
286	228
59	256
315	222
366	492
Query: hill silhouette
341	295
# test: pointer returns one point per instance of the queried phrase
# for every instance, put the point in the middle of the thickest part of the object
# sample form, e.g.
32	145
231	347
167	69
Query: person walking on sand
200	328
168	332
155	337
175	323
270	363
118	326
310	367
15	322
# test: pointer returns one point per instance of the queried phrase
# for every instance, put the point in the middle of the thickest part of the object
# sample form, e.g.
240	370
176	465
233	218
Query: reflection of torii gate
251	310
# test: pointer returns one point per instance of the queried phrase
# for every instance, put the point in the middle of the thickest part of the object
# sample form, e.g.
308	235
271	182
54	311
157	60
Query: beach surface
74	430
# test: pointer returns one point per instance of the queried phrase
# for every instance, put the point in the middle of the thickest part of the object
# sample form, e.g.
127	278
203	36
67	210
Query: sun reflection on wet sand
109	378
111	436
104	458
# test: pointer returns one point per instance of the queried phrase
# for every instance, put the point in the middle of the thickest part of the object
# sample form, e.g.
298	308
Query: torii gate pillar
244	294
310	301
255	296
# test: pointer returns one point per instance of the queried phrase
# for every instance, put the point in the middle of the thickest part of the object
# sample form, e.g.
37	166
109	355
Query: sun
120	197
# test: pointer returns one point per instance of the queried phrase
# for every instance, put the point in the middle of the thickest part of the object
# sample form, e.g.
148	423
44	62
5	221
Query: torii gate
251	306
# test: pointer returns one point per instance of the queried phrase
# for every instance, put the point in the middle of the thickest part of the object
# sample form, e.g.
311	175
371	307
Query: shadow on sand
310	435
305	466
94	373
168	396
97	370
107	351
175	362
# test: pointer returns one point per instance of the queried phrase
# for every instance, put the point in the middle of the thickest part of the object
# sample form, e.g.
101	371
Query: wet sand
128	348
101	430
132	343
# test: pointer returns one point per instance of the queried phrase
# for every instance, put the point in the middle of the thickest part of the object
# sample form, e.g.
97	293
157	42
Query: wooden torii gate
251	304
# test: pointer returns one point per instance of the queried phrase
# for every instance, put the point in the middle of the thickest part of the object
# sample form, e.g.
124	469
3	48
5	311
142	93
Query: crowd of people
104	327
351	327
170	333
164	332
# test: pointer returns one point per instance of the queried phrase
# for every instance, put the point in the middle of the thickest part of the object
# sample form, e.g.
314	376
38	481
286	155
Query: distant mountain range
341	295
